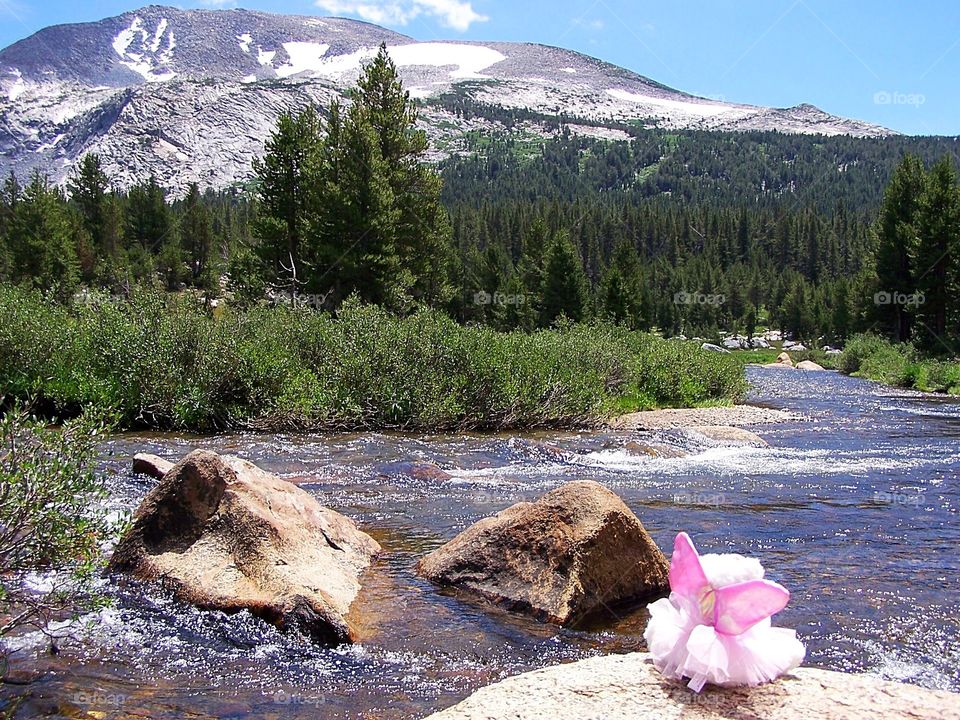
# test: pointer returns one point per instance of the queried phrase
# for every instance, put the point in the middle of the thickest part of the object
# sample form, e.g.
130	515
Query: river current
854	509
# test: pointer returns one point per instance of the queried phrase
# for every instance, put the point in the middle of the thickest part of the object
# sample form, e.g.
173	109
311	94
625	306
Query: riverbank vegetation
52	518
899	364
505	287
164	361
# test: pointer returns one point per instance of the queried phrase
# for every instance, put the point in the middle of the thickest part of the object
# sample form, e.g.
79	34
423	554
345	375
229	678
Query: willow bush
162	361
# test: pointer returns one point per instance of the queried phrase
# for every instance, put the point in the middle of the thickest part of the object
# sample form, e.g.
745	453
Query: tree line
685	232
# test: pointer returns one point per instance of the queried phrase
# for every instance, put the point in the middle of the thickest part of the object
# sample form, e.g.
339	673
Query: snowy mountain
190	95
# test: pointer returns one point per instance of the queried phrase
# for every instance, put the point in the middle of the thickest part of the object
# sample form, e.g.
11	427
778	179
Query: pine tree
196	239
358	240
421	230
286	194
896	237
937	256
89	188
10	195
564	285
42	239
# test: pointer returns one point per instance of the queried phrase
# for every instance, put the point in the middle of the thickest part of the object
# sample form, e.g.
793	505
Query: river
854	509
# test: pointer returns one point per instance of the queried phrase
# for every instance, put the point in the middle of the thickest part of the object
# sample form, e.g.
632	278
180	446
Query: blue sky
886	61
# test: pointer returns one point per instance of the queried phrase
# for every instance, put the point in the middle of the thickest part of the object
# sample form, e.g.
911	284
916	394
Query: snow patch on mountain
689	108
265	57
244	41
18	88
304	56
145	59
158	35
469	60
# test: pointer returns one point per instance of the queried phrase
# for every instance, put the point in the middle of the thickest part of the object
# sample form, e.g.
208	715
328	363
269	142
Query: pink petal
686	574
739	607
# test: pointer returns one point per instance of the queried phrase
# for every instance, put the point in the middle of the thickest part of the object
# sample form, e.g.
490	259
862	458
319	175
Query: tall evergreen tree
89	188
937	256
286	196
564	283
9	197
42	239
379	229
896	244
196	239
421	230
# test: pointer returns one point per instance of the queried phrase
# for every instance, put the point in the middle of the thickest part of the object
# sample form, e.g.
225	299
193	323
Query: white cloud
455	14
596	24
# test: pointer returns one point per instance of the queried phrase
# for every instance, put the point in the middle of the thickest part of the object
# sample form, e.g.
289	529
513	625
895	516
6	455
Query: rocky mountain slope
190	95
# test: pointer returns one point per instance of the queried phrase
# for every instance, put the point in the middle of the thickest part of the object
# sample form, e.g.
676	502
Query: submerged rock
658	450
576	550
728	435
628	687
225	535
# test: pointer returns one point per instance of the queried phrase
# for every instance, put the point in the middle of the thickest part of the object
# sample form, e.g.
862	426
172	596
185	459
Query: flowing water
855	510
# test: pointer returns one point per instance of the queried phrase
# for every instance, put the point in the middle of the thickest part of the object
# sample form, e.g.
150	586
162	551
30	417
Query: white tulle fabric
682	636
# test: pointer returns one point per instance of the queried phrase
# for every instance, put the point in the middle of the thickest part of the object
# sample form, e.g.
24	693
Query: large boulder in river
225	535
576	550
809	365
628	687
784	359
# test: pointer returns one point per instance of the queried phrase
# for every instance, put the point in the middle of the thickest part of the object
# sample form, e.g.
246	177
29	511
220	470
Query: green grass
765	356
900	365
159	361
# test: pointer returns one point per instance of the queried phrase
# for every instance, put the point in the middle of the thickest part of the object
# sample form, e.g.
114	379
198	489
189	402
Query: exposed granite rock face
572	552
191	95
225	535
628	687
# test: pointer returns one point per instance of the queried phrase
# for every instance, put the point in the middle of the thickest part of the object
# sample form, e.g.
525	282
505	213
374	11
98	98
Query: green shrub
900	365
52	517
161	361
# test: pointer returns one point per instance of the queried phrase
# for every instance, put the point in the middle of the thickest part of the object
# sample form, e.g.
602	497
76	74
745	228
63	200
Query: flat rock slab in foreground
576	550
225	535
628	687
736	415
